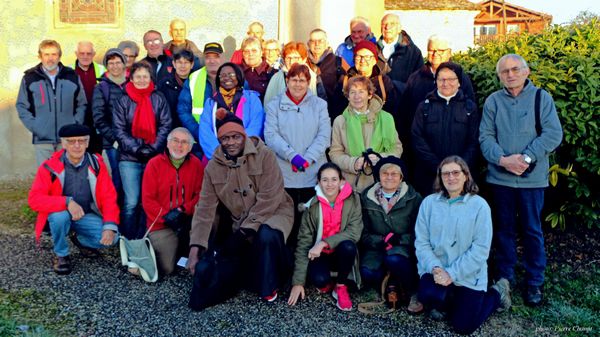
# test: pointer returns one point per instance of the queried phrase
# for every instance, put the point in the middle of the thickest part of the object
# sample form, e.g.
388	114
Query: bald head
85	54
390	27
178	31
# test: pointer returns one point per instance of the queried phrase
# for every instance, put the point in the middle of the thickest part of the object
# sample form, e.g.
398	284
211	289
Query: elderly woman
390	210
453	239
293	53
141	123
272	53
131	51
234	99
365	64
363	126
446	123
256	70
329	232
297	129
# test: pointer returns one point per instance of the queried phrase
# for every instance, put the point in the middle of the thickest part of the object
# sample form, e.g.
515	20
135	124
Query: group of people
284	164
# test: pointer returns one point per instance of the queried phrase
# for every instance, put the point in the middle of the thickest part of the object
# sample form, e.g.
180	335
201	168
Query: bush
564	60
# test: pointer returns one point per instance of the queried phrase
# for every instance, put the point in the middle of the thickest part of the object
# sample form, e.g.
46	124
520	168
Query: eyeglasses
271	50
452	174
131	56
226	75
235	137
437	51
250	51
114	64
297	80
391	174
292	58
514	70
179	141
319	41
366	58
449	80
80	141
155	41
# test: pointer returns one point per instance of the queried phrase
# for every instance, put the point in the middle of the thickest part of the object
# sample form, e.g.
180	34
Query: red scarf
144	121
289	95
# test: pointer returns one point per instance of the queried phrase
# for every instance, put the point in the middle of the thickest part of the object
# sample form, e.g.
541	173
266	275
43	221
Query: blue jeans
113	160
467	308
132	227
402	270
514	207
88	229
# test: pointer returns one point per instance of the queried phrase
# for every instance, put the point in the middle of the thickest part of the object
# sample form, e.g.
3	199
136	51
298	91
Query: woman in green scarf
362	126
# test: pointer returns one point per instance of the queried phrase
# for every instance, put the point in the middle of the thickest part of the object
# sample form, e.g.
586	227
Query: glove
392	239
299	163
177	220
145	153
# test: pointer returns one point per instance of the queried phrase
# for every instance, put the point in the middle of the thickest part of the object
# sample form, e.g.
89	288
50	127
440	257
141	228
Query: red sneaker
272	297
326	289
340	293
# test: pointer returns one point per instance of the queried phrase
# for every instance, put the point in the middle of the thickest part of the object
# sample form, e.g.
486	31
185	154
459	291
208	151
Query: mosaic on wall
69	13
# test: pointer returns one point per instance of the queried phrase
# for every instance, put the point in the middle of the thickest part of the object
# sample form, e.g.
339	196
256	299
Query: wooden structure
498	19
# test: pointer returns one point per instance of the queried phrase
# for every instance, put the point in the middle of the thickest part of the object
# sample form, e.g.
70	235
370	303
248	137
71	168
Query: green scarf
177	162
384	133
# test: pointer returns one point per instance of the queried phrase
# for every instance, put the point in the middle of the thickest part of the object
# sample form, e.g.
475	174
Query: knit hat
213	47
364	44
389	160
228	122
73	130
112	52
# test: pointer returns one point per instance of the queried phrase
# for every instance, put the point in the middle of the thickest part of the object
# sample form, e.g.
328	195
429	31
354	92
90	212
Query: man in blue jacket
50	97
517	145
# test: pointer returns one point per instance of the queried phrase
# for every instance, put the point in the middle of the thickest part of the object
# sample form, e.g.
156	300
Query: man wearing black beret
73	192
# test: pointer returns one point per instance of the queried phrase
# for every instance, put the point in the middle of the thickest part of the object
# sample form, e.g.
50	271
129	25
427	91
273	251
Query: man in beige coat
244	180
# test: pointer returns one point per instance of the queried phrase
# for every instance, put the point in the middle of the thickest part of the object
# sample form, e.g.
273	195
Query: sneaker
414	306
326	289
85	251
61	265
502	286
340	293
272	297
534	296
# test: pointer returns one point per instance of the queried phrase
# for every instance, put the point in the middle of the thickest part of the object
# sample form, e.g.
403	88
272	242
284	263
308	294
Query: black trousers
341	260
260	263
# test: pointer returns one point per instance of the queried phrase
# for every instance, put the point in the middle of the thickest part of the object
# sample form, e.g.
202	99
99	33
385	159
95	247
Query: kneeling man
74	193
170	190
244	180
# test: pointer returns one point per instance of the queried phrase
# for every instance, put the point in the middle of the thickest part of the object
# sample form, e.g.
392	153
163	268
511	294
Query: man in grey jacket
50	96
517	145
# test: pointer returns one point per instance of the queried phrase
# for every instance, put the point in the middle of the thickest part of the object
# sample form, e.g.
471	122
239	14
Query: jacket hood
345	193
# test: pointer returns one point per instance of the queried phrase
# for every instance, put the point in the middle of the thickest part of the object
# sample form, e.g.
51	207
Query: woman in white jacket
298	130
453	239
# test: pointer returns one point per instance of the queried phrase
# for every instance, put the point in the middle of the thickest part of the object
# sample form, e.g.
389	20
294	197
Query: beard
51	67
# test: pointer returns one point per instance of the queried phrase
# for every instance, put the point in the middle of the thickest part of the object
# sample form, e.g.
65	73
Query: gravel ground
105	300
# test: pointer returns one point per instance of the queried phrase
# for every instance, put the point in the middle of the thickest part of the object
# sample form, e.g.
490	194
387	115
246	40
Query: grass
27	312
16	216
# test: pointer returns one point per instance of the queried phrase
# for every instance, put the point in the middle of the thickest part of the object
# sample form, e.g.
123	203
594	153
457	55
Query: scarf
144	121
228	99
297	102
384	132
384	202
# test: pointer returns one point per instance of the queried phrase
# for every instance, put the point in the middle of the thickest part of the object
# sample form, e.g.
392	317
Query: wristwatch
527	159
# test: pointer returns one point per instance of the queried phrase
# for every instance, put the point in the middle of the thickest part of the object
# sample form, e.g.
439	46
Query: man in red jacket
73	191
170	191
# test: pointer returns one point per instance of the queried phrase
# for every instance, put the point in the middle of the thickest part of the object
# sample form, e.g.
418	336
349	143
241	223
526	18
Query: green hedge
565	61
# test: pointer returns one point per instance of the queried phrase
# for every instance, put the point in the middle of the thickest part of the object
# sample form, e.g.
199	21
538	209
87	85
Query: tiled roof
431	5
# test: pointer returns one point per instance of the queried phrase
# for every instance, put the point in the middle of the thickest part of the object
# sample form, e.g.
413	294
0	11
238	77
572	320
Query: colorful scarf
144	121
386	204
384	135
228	99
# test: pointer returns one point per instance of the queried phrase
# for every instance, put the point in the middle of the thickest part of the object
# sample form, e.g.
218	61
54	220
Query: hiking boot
534	296
340	293
502	286
61	265
271	298
85	251
326	289
414	306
